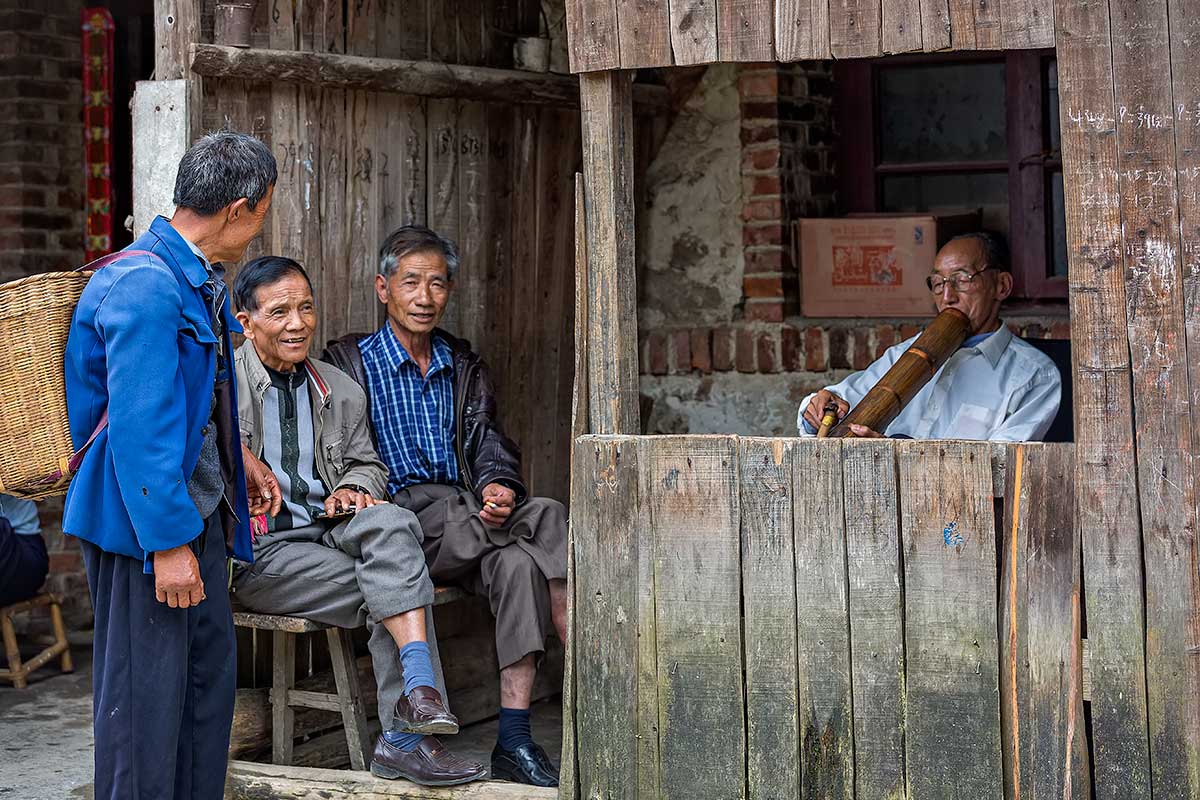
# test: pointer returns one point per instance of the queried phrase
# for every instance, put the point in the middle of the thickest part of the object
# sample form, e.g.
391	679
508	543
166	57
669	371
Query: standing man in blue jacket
160	499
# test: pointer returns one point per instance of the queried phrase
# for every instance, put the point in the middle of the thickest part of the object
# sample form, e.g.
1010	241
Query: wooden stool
17	672
285	697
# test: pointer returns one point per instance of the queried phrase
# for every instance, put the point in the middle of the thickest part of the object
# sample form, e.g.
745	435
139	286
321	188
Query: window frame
1030	163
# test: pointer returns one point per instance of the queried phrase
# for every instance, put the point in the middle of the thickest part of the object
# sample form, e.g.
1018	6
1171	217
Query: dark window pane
942	112
962	192
1051	82
1058	227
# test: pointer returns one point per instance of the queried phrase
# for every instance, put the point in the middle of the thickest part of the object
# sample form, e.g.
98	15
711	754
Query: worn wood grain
250	781
876	617
769	609
822	622
363	205
1026	23
689	485
854	28
935	25
900	29
1105	469
694	31
1166	473
608	171
989	33
592	35
801	29
952	747
579	402
608	524
442	201
644	33
744	30
1041	650
287	210
962	24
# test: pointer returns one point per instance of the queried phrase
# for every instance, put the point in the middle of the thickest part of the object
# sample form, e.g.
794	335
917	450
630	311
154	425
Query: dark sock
417	666
514	728
403	741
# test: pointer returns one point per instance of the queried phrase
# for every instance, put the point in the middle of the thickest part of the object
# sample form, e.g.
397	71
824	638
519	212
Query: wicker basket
35	439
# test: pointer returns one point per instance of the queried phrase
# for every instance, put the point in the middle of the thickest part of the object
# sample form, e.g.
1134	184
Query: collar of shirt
992	345
396	356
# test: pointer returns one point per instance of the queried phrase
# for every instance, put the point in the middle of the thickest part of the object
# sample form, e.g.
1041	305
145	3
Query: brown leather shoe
431	764
422	711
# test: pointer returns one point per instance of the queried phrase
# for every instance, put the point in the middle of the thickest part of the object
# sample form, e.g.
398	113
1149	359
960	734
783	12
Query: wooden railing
781	618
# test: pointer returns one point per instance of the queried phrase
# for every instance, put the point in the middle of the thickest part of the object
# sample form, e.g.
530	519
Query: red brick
840	356
702	350
768	346
764	310
744	359
722	348
758	83
67	561
681	352
764	158
753	185
885	337
763	209
791	354
814	350
763	233
759	134
760	109
1034	331
656	353
863	352
908	330
763	286
766	259
1060	330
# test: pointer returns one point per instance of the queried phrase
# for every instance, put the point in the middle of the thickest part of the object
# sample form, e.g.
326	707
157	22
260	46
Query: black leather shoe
527	764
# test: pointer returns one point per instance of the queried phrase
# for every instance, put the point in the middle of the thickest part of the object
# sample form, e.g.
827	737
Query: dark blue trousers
23	565
162	680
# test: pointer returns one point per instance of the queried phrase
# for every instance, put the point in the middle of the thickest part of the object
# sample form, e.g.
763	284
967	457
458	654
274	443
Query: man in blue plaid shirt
433	410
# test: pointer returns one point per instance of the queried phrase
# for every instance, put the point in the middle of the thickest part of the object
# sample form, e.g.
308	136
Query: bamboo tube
828	420
900	384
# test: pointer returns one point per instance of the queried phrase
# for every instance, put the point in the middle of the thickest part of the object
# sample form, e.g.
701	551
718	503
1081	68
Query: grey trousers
357	572
509	565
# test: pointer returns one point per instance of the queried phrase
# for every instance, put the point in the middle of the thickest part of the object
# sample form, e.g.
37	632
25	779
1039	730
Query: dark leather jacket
485	455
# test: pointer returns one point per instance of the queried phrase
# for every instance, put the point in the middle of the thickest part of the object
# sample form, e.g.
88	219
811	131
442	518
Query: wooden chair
285	698
17	671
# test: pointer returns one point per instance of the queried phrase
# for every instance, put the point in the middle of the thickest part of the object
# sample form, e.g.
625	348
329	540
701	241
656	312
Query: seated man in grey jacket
332	552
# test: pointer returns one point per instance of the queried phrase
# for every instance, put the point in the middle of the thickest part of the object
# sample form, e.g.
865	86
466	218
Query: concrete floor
46	733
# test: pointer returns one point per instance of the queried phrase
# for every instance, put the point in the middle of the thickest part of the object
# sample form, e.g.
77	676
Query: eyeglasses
963	281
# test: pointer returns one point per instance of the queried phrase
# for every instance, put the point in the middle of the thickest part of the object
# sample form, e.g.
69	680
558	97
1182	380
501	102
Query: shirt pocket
335	453
974	422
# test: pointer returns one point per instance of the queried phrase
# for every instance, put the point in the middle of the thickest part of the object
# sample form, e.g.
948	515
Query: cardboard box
873	265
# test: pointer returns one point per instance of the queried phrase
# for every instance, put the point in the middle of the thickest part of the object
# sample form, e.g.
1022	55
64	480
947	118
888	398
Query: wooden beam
249	781
612	283
421	78
176	28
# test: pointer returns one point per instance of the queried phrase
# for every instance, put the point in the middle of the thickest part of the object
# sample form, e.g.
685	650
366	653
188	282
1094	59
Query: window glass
942	112
1058	227
1053	135
958	192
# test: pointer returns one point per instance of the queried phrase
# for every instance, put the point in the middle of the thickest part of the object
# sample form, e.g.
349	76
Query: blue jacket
142	345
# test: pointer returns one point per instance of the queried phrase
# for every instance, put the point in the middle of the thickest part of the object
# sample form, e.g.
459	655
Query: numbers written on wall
367	163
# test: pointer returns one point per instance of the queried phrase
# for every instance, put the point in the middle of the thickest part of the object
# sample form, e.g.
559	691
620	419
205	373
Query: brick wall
716	363
41	138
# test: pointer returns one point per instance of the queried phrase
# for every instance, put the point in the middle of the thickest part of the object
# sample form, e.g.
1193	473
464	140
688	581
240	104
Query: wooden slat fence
782	618
495	177
631	34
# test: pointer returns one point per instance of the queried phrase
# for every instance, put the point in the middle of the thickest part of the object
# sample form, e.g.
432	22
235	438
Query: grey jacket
345	454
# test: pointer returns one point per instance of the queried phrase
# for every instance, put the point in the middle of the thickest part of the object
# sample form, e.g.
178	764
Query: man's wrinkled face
981	295
417	293
282	326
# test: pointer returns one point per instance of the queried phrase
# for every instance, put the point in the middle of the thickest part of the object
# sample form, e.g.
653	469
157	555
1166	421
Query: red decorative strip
97	129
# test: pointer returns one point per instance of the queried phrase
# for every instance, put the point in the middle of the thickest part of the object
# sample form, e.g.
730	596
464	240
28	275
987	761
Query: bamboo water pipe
915	368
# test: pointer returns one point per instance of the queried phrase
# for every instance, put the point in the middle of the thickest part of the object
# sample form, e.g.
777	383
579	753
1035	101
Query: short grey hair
995	248
416	239
220	168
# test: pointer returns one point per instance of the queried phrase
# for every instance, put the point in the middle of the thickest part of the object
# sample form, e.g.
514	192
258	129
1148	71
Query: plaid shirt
413	413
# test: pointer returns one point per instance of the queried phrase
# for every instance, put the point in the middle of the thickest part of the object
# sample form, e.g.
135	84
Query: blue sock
417	666
403	741
514	728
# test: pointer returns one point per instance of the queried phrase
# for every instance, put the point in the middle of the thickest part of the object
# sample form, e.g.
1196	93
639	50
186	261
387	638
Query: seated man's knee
391	517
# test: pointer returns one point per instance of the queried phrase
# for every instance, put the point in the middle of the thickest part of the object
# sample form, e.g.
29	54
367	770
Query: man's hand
863	432
177	577
816	407
343	499
498	504
261	486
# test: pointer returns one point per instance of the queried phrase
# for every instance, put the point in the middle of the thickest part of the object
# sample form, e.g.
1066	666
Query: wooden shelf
422	78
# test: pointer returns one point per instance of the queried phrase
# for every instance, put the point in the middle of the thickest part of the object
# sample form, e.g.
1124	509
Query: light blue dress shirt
999	389
21	514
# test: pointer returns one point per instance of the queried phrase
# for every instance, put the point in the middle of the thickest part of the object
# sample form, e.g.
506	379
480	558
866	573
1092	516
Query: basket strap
77	459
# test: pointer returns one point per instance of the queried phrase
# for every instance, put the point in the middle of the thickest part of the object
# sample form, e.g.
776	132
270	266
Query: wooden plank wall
496	178
632	34
855	585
